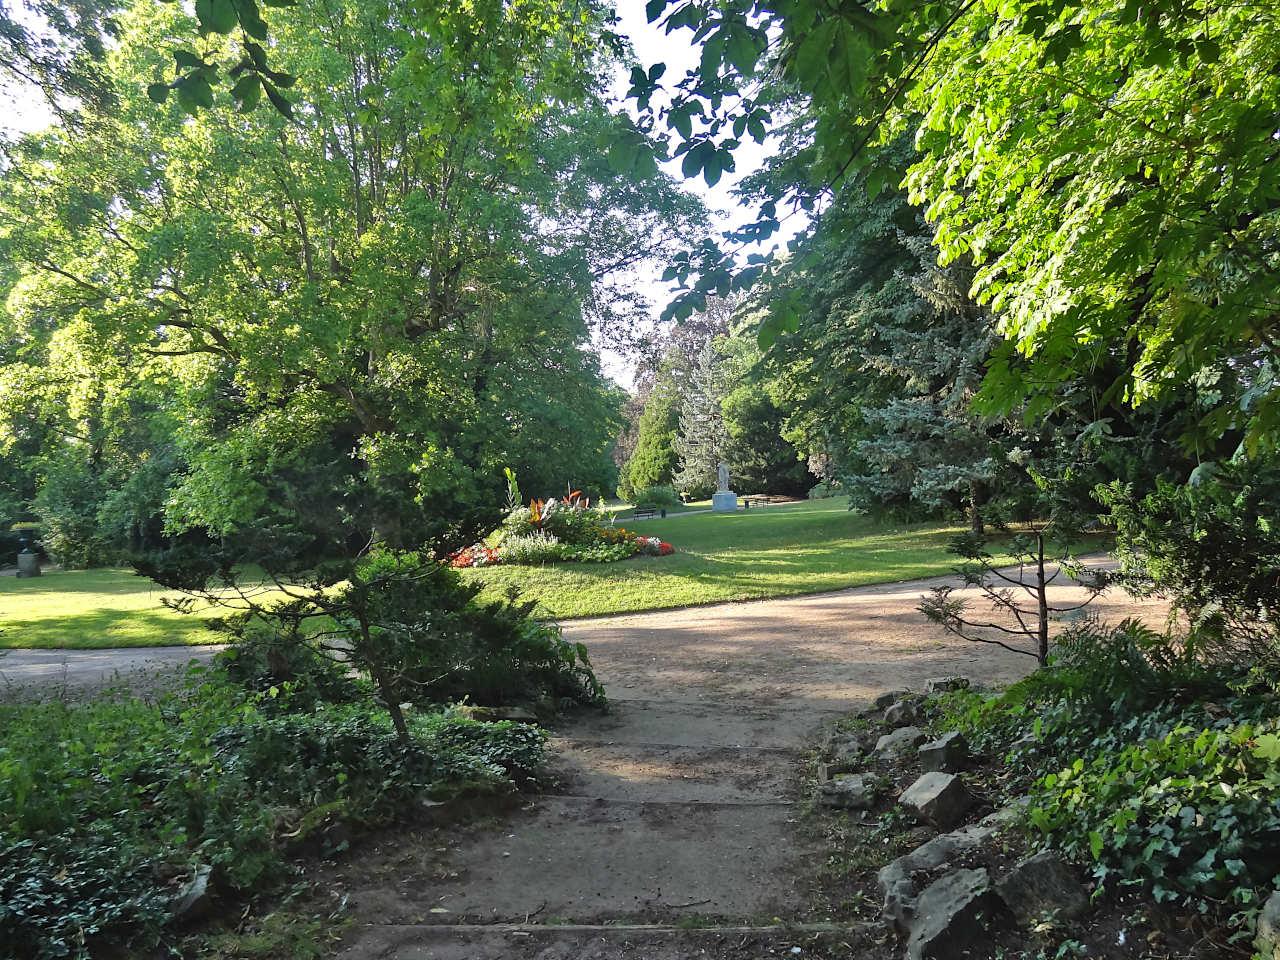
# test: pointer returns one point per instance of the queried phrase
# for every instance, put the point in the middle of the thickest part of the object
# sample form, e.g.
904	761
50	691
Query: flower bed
559	531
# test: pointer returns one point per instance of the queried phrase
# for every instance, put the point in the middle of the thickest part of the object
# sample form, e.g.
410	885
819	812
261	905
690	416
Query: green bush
106	807
1194	812
536	547
438	643
659	496
1149	763
600	552
263	655
1213	548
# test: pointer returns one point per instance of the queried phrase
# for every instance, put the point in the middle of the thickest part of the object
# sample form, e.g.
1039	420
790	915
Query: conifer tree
702	441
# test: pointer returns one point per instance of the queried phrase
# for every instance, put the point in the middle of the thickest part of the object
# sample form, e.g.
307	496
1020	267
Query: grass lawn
624	511
92	608
766	552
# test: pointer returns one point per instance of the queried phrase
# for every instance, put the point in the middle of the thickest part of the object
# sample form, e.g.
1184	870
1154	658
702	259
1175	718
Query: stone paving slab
588	861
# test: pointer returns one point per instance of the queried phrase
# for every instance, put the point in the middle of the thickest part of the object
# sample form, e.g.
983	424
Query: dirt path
669	828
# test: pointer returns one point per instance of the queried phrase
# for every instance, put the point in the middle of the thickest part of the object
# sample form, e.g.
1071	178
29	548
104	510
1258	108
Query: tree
760	458
1046	520
702	442
355	319
655	460
922	440
1109	167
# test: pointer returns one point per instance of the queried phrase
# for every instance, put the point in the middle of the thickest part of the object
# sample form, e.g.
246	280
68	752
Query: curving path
667	829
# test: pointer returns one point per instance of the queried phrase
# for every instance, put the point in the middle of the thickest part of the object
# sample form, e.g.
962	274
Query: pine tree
928	341
702	441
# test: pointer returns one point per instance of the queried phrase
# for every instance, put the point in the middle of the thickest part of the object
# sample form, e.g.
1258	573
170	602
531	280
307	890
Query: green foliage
1192	813
662	495
536	547
1147	762
264	655
702	441
1075	151
1213	547
654	460
67	505
106	806
360	370
423	636
1123	671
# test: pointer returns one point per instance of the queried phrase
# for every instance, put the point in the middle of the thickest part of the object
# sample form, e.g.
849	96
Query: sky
652	45
23	110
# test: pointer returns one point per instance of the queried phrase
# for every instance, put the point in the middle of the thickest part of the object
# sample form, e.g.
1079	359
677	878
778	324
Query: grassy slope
91	608
768	552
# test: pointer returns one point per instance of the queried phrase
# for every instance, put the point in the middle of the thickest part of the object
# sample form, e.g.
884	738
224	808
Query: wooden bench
646	514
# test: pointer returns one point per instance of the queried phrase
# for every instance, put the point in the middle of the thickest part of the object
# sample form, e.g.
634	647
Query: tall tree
703	441
1109	166
356	318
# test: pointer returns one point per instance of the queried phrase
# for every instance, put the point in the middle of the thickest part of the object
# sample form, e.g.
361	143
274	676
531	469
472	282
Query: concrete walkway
76	672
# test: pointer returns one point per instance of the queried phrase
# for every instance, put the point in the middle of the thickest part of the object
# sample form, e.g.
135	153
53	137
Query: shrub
263	655
106	806
1148	763
1194	813
600	552
659	496
1214	549
536	547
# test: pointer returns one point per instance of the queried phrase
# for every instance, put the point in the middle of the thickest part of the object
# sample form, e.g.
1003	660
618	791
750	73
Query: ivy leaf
1267	747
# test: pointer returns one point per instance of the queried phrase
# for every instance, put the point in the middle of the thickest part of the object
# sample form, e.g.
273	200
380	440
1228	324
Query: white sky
652	45
22	110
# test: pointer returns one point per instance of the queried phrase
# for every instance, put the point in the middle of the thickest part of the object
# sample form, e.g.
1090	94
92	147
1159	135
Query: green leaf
283	106
216	16
186	60
247	92
681	121
158	92
875	182
653	9
621	156
1267	747
742	51
1095	843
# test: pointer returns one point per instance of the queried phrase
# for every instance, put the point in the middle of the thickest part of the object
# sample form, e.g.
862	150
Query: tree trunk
975	507
385	687
1042	628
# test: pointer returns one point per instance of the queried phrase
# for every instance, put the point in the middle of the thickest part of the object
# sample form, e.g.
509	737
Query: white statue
723	474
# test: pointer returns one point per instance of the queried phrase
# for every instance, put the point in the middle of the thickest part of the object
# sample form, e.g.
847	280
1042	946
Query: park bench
647	513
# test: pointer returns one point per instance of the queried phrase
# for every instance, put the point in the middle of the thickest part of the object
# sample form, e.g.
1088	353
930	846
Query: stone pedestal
724	501
28	565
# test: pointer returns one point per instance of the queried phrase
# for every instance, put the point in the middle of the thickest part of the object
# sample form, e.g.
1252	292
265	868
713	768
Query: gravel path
668	828
677	809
